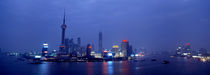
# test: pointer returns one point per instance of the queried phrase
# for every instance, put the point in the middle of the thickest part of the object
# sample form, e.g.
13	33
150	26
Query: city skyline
161	30
104	37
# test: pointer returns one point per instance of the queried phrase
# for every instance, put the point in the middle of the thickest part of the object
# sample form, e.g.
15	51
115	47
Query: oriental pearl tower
63	27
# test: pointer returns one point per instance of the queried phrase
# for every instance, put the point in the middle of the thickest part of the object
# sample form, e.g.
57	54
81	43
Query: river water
177	66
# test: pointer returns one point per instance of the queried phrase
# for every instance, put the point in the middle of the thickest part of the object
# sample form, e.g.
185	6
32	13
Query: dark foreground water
177	66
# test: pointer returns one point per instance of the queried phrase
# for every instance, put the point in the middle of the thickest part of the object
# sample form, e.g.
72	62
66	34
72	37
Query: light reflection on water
43	69
107	68
104	69
124	69
115	67
179	66
110	67
89	68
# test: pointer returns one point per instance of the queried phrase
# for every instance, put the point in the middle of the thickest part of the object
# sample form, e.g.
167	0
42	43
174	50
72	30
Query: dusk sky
152	24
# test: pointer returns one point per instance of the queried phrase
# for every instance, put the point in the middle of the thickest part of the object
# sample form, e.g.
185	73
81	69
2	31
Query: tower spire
63	27
64	17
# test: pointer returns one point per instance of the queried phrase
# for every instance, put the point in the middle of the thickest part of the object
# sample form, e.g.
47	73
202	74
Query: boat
153	59
35	61
165	62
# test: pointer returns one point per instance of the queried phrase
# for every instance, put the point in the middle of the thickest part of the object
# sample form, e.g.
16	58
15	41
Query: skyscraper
72	46
63	27
79	46
130	50
125	48
202	52
67	45
88	51
44	49
100	46
180	49
115	50
79	41
187	49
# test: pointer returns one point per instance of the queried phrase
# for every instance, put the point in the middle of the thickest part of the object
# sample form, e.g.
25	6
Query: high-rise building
44	49
178	50
79	41
130	50
63	27
124	48
115	50
71	48
72	45
78	48
100	45
105	54
202	52
186	51
67	46
88	51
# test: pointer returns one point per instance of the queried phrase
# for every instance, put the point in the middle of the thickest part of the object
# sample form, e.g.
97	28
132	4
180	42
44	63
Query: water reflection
107	68
125	68
89	68
43	69
104	68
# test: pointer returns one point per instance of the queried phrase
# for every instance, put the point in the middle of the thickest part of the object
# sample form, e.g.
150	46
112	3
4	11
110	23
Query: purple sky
152	24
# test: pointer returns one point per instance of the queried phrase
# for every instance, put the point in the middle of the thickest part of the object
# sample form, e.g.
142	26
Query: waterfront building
100	45
67	46
115	50
79	41
186	51
44	49
202	52
88	51
124	48
130	51
78	48
105	54
92	53
178	51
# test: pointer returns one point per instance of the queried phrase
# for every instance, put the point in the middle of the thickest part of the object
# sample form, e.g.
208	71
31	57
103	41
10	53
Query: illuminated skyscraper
78	48
115	50
188	48
179	50
100	46
125	48
88	51
186	51
44	49
63	27
202	52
